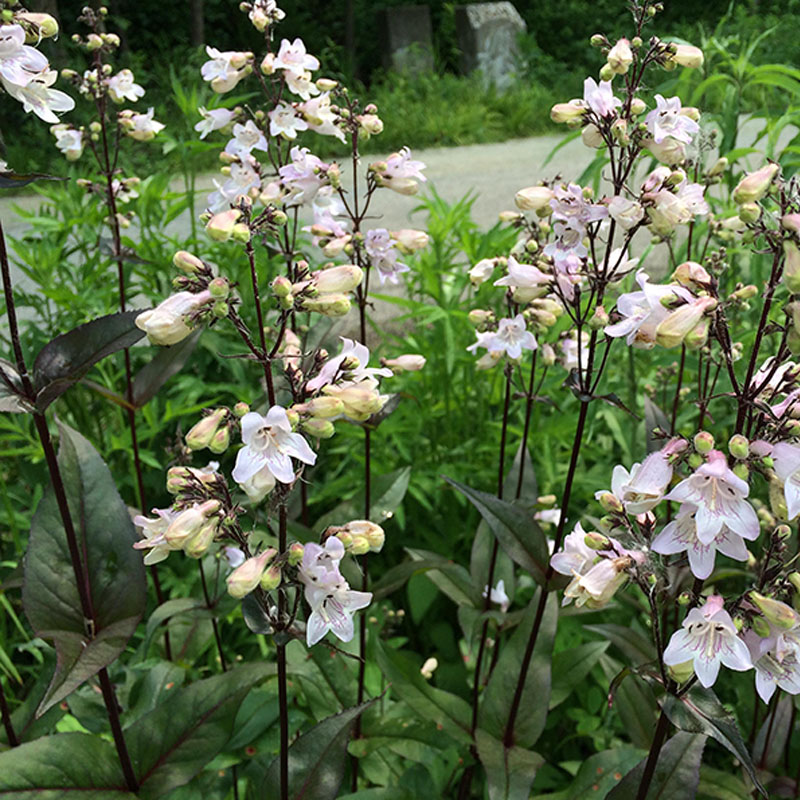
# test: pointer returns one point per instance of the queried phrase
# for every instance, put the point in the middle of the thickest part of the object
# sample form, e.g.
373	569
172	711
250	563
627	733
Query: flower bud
620	57
410	362
346	538
741	470
720	165
778	613
610	502
596	541
337	279
691	274
760	627
619	130
791	266
178	479
746	292
241	232
326	84
482	271
794	579
409	240
480	317
323	407
318	428
749	212
534	198
567	112
672	330
428	668
43	25
93	42
187	262
591	136
295	554
686	55
698	336
271	579
360	544
738	446
357	400
198	544
638	106
188	523
510	216
703	442
248	574
220	227
599	319
202	433
755	185
606	72
695	460
220	441
331	305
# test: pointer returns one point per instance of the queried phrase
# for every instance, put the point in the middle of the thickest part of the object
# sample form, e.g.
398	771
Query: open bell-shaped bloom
776	667
269	442
667	120
709	639
787	467
152	531
600	97
355	356
643	487
681	535
719	496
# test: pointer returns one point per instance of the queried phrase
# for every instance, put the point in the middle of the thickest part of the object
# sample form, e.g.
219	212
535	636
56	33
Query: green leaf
570	668
635	647
317	760
699	711
516	530
172	608
67	358
601	772
114	571
395	577
74	765
676	775
720	785
168	361
11	180
510	772
773	734
449	711
450	578
495	703
172	743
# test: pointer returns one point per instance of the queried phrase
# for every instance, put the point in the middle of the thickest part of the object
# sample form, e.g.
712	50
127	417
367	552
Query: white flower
643	487
720	499
143	127
597	586
776	665
511	337
167	323
258	486
498	595
213	120
666	120
246	138
242	179
600	98
357	357
225	69
152	532
122	87
70	142
37	96
301	83
681	535
570	204
319	116
284	122
401	165
304	176
575	556
642	312
522	276
19	63
708	639
787	468
626	213
269	442
293	57
383	255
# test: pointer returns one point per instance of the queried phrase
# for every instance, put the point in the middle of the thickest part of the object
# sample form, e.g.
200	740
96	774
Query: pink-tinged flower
498	595
401	165
213	120
351	365
670	151
511	337
332	600
269	442
708	639
304	176
225	69
142	127
644	486
572	356
152	532
671	209
37	96
242	181
293	57
122	87
383	255
575	556
626	213
600	97
787	468
568	244
283	121
570	204
597	586
720	499
19	63
522	276
776	665
170	321
666	120
319	116
246	138
301	84
681	535
674	329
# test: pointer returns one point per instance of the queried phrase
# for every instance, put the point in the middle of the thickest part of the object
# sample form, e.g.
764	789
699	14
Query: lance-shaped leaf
699	711
11	398
601	772
74	765
167	362
516	530
67	358
450	578
676	775
493	715
570	668
771	739
449	711
317	760
12	180
510	772
113	570
172	743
